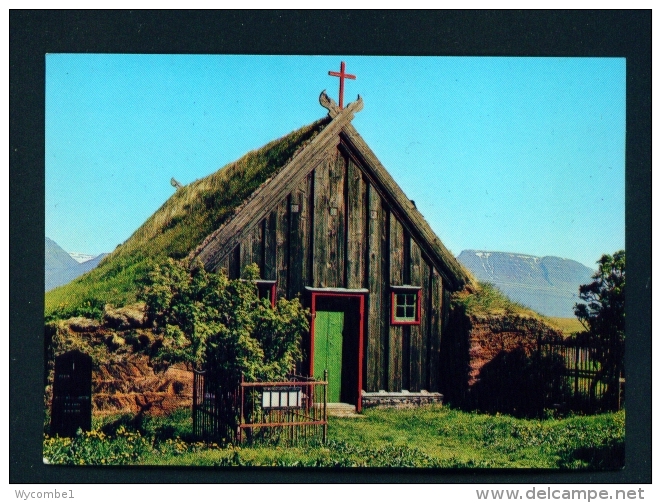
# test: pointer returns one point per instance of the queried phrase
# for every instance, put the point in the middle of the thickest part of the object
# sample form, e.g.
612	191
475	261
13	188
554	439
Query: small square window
405	305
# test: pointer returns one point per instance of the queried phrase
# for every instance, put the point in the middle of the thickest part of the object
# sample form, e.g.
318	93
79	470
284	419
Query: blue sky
505	154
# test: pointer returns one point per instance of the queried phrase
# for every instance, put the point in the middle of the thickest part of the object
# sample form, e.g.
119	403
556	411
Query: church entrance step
342	410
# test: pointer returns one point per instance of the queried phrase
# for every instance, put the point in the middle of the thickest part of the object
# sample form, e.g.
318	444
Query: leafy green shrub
208	321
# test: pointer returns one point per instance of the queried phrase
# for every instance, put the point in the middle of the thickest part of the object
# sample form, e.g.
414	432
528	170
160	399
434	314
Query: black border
32	34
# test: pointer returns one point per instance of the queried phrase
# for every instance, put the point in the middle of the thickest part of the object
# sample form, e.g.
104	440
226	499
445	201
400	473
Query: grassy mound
485	299
176	228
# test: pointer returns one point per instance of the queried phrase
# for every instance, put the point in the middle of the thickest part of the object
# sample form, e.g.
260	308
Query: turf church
333	227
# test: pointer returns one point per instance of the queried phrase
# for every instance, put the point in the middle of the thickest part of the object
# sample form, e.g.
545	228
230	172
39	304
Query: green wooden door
328	327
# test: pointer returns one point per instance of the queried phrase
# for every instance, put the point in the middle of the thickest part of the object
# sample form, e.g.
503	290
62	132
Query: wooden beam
234	271
436	330
321	257
299	237
395	363
356	206
415	335
376	365
425	325
270	247
336	222
282	248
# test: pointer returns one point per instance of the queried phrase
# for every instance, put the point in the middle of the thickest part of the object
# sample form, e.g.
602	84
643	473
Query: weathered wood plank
415	335
376	364
251	248
425	309
384	319
395	345
355	259
258	247
320	261
336	223
299	238
396	251
282	247
436	329
234	271
307	221
270	246
406	329
245	251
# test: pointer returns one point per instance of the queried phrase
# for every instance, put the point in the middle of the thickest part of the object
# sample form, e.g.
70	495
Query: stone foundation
401	399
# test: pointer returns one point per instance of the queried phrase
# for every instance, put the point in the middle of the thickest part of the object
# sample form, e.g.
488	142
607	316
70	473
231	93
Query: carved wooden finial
329	104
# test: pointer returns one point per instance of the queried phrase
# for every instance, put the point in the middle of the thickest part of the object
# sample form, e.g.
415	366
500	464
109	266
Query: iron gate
284	411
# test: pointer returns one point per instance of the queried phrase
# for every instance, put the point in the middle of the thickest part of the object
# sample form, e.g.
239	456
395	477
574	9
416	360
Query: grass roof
485	299
177	227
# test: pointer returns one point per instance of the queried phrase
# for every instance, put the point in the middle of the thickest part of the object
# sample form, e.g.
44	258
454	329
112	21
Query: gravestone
72	394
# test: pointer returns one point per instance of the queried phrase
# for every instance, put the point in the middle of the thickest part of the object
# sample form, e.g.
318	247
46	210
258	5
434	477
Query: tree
212	323
602	316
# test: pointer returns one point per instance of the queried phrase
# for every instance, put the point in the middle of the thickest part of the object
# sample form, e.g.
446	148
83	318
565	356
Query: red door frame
361	310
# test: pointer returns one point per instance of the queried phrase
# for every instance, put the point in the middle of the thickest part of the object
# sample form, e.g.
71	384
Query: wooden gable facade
334	228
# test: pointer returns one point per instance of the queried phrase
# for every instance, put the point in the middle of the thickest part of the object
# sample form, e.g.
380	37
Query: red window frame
394	290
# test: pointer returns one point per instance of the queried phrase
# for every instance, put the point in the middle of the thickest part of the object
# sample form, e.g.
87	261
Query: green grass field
434	436
568	325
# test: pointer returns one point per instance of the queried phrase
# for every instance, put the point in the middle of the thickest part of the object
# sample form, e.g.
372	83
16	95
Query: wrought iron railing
214	410
273	412
284	411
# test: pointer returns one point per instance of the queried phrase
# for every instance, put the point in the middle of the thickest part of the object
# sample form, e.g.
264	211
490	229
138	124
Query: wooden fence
581	369
280	412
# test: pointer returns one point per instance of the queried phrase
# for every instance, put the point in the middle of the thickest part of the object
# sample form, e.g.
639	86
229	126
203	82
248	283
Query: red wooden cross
342	76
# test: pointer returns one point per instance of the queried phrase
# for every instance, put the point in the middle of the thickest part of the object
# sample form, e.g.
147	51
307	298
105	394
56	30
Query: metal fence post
195	384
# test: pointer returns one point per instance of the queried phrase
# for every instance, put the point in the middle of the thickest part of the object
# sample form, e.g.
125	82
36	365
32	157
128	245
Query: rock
123	318
81	324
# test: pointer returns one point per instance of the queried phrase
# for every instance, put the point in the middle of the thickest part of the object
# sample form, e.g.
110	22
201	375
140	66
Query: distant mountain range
549	285
61	268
